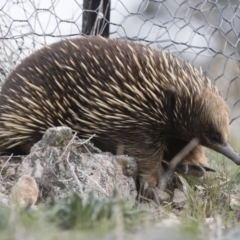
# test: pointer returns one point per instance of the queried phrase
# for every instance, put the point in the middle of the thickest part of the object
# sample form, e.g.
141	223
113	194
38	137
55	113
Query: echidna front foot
195	163
146	192
149	170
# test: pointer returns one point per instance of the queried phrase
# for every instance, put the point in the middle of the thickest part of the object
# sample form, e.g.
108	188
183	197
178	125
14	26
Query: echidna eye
214	137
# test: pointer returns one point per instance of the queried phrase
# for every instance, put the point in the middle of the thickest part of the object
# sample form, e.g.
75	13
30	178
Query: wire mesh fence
206	33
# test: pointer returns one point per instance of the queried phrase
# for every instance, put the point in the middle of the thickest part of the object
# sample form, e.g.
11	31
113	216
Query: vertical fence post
96	17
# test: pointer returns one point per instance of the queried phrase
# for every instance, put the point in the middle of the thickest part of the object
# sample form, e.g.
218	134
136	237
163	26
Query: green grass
70	217
219	188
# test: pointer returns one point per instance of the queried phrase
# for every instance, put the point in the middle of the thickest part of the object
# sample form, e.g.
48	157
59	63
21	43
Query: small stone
164	196
3	199
201	191
183	183
235	202
2	188
170	222
25	192
209	220
179	198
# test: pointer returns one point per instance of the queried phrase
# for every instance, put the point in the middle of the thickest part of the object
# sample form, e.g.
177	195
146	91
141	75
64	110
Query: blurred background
204	32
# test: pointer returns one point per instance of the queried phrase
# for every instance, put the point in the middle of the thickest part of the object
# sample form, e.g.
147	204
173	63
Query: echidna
146	101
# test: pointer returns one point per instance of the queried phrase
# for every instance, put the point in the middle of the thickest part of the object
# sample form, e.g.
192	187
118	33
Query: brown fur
147	101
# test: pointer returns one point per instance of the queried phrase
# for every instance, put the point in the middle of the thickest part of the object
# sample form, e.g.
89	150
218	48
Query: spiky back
97	85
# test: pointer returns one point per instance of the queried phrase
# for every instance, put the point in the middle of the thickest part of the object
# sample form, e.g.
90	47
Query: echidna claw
183	169
208	169
146	193
194	170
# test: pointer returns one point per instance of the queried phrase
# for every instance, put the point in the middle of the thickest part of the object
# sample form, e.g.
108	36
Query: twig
88	140
89	152
218	185
5	165
80	187
66	148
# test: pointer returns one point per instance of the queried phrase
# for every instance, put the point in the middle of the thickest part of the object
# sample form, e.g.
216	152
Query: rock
62	164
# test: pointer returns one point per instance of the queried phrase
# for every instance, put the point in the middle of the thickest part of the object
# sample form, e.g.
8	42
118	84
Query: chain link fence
206	33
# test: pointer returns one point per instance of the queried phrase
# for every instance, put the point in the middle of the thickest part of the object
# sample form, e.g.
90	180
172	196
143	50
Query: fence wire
206	33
